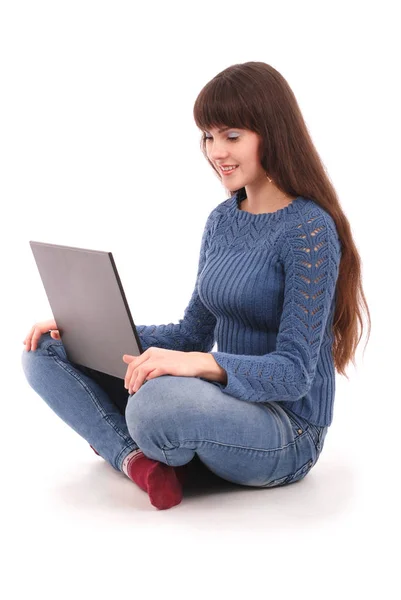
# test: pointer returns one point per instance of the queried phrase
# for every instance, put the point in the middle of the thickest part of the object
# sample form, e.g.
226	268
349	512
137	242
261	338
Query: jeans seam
165	455
181	442
317	441
94	399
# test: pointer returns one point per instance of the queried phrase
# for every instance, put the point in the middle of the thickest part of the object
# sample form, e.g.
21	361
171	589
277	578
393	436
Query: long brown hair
254	96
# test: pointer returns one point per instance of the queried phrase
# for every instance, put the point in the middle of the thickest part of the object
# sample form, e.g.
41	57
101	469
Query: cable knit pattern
265	292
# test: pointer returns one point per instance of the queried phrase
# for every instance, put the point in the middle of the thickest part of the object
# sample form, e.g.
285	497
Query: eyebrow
226	128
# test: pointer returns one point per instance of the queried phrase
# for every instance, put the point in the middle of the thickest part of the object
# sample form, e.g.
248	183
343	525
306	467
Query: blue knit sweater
265	292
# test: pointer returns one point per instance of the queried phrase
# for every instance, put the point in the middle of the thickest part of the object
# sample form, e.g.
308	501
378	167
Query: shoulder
309	229
218	213
223	208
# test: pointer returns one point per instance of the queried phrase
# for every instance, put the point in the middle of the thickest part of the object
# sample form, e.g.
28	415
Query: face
232	146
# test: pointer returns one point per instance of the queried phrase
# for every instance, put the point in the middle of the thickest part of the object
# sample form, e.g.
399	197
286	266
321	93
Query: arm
310	255
195	331
210	369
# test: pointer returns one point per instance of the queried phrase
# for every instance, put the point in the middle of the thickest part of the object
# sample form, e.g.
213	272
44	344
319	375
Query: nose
217	151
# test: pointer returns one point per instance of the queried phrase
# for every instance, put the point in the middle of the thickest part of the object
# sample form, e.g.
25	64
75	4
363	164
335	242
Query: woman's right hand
31	340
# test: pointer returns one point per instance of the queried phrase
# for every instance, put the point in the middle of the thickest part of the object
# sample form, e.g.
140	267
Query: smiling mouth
228	171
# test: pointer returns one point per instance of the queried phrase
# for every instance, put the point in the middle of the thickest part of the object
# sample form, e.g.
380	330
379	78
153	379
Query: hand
158	361
31	340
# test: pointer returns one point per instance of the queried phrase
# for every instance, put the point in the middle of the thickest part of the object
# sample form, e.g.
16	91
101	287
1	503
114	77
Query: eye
232	139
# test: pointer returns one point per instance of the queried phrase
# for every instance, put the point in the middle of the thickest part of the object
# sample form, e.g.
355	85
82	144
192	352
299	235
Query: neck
264	198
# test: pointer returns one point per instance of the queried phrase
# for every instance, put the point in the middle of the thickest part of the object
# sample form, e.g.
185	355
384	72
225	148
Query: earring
268	178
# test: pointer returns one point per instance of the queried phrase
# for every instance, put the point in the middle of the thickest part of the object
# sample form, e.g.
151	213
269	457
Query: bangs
221	104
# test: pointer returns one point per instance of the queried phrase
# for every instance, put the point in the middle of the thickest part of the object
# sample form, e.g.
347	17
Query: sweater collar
244	215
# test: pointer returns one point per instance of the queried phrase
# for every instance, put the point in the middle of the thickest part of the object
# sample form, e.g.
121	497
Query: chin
232	186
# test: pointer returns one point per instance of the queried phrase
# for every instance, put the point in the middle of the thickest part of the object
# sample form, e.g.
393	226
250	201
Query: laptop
89	306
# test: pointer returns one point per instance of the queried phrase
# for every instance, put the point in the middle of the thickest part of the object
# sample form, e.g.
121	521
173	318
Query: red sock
94	450
180	471
160	481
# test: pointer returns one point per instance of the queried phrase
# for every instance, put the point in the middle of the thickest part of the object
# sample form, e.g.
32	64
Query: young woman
278	287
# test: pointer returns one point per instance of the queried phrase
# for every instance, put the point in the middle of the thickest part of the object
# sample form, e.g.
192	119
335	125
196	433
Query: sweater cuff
230	387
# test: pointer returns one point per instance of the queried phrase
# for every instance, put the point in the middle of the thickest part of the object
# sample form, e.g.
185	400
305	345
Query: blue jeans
174	420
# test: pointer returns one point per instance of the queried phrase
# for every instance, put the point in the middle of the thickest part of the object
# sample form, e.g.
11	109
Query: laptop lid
89	306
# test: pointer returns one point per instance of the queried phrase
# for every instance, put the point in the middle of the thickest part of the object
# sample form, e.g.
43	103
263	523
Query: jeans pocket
308	438
316	433
299	425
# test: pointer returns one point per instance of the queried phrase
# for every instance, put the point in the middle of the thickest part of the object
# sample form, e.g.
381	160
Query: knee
30	360
148	408
41	345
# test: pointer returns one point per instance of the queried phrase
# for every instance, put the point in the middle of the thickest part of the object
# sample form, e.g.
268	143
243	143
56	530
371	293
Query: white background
98	149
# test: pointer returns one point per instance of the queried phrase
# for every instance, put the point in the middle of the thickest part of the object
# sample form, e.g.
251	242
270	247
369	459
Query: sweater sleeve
310	254
195	331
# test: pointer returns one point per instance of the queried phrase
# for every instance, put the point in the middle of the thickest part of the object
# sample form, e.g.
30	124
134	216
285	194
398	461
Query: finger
136	381
131	383
139	379
35	338
128	376
28	340
134	387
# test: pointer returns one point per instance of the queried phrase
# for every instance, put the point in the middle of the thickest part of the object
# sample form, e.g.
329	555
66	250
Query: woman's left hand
158	361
